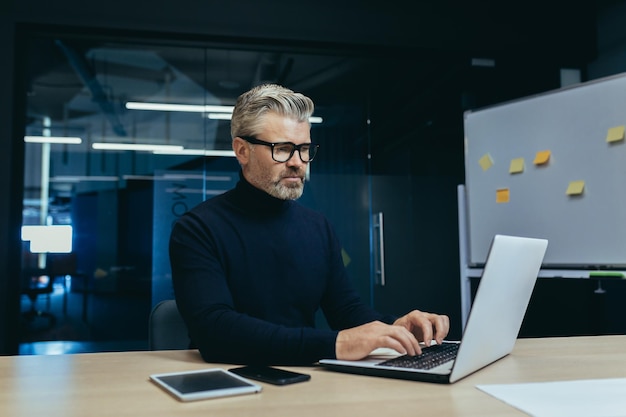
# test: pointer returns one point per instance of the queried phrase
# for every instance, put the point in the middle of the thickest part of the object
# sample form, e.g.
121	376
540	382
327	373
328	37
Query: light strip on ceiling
189	108
228	116
198	152
213	111
219	116
79	178
53	139
110	146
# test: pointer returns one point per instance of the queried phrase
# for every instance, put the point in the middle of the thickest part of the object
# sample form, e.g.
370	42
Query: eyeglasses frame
255	141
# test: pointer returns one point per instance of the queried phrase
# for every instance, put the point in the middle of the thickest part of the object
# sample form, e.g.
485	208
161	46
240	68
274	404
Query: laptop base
387	373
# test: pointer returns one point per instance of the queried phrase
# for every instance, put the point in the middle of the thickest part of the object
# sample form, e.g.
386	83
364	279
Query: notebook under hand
494	321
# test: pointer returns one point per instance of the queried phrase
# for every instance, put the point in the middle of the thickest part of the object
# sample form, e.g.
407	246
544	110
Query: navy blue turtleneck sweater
250	271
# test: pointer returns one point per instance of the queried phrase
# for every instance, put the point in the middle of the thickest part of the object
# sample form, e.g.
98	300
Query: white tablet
204	383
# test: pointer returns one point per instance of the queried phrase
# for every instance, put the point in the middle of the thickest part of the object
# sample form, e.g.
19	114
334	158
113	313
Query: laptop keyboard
431	357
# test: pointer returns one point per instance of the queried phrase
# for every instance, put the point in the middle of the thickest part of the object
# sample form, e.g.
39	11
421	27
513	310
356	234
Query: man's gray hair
252	105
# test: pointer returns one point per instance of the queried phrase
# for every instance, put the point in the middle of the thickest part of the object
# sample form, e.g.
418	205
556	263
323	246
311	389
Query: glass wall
122	137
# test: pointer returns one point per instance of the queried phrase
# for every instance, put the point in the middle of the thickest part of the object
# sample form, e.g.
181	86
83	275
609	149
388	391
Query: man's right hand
358	342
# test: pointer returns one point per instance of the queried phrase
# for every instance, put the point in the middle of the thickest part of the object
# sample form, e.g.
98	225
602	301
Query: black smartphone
270	375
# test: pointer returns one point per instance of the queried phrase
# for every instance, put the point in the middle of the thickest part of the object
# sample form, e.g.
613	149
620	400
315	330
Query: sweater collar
254	200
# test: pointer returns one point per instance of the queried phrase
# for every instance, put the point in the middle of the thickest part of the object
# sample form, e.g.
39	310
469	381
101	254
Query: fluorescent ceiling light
110	146
219	116
213	111
138	177
199	152
79	178
228	116
189	108
53	139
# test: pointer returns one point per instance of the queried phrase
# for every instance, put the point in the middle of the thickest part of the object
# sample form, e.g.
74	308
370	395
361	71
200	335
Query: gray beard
286	193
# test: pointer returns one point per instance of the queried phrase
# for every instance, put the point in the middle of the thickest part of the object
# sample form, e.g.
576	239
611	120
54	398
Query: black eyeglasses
283	151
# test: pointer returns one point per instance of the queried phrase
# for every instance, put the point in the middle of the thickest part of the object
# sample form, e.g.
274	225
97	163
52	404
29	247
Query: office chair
167	330
36	282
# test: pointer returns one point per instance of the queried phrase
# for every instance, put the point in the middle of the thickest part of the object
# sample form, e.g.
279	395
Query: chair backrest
167	329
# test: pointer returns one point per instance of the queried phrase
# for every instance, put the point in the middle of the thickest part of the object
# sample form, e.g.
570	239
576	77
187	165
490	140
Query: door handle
379	248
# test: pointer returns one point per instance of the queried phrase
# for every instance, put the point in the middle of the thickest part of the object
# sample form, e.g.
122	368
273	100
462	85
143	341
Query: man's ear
242	150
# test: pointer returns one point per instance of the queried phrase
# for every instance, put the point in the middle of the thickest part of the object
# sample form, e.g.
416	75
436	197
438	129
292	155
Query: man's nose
295	159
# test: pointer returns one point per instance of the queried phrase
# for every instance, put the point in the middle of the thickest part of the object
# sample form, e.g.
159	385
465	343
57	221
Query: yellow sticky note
542	157
503	195
485	162
345	257
615	134
575	188
517	166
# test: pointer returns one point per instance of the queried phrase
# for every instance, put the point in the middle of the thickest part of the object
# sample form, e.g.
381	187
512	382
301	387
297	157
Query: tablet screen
207	383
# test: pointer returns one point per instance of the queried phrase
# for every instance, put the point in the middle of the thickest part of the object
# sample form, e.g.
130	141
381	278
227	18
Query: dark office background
529	43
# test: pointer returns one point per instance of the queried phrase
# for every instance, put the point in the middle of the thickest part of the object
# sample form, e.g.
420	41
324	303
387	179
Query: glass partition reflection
122	137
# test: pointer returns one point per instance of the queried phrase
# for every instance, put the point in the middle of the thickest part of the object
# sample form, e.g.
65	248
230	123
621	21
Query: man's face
284	180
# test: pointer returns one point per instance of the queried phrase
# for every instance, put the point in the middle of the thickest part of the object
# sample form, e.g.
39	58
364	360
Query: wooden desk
116	384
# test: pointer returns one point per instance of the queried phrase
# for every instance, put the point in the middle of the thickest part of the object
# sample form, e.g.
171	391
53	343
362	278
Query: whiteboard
586	230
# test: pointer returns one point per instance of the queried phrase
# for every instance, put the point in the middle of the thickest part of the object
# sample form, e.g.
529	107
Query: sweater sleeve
221	333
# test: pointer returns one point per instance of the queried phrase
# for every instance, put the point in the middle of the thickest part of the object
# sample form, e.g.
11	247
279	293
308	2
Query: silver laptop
493	324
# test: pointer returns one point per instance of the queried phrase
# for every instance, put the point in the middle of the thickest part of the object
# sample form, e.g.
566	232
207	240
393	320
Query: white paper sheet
581	398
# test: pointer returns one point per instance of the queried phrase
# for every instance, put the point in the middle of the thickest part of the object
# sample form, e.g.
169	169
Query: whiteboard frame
586	231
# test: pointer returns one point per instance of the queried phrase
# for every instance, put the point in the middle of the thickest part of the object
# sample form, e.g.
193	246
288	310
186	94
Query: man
251	267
